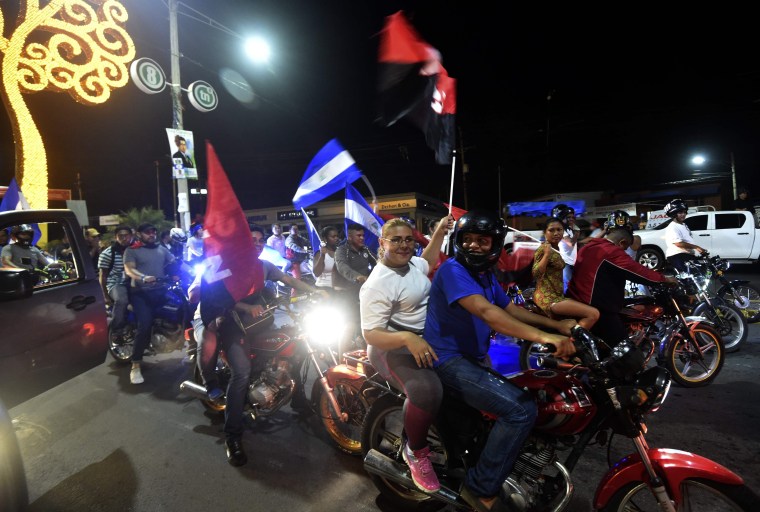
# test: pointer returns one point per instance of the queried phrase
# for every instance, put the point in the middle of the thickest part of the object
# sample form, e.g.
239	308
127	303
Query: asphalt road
97	443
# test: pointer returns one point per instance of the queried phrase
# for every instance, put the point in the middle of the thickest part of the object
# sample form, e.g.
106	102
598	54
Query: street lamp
700	159
256	48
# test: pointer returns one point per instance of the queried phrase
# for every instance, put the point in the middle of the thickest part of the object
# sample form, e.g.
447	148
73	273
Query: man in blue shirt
466	304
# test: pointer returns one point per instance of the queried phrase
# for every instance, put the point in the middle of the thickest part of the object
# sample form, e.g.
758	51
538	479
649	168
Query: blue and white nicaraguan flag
314	239
358	211
13	198
331	169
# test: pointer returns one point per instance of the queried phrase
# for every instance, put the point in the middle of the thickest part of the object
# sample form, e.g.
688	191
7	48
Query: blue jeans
238	358
120	297
515	410
144	303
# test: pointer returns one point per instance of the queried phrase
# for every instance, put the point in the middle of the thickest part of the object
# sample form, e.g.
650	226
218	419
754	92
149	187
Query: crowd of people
427	324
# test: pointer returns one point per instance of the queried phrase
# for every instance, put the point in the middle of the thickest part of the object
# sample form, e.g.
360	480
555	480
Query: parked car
732	235
53	326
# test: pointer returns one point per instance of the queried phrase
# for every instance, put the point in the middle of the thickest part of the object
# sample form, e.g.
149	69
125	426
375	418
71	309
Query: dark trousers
610	327
678	261
144	303
238	352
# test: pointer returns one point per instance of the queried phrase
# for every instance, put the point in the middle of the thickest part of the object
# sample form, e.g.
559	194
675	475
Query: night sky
635	91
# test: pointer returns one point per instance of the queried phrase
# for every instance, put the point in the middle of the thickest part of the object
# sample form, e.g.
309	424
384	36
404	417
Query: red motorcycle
578	405
688	346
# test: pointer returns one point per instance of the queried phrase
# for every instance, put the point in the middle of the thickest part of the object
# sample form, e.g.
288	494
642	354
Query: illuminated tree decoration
86	55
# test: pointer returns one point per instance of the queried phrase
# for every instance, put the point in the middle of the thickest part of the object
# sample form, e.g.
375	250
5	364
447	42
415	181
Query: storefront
414	206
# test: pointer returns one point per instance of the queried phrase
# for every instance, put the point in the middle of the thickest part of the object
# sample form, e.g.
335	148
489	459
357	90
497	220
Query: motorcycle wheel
383	431
684	364
14	493
748	303
698	494
532	354
346	435
728	321
121	348
216	406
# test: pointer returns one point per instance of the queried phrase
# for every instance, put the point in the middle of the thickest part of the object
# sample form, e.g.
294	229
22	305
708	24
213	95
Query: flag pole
531	237
371	191
451	193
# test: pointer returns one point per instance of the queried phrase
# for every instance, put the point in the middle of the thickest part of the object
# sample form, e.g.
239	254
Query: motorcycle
729	320
688	346
281	359
170	321
579	405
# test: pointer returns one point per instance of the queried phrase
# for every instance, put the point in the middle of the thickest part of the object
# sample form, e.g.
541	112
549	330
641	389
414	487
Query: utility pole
158	187
176	90
733	175
79	186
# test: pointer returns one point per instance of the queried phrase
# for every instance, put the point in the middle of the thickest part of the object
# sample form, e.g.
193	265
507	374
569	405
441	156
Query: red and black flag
414	85
233	269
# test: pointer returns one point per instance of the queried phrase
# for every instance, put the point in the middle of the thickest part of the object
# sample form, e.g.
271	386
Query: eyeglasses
397	240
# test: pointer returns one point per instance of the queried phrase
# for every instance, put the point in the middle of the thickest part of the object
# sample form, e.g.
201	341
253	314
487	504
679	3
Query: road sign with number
147	75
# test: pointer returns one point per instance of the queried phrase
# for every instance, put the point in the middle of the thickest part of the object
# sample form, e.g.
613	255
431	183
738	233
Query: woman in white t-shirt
325	259
393	304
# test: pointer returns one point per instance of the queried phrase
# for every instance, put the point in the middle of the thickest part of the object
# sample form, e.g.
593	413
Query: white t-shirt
568	249
397	294
676	232
324	280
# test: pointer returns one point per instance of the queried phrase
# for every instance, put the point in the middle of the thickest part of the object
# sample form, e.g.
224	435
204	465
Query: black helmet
178	235
561	211
23	228
484	224
675	206
619	219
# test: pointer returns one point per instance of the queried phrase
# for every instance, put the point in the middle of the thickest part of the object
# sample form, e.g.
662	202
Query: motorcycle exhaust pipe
380	465
194	390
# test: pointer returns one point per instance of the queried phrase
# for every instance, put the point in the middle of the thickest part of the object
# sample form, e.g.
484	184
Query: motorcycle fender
673	466
343	372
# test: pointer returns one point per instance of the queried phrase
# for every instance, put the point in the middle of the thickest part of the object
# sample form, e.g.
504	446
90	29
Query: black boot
235	453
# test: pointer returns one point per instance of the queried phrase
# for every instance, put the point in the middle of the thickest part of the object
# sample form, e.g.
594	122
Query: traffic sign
202	96
147	75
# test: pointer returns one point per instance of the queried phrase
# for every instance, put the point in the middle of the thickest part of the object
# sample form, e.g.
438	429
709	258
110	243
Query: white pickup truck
732	235
522	240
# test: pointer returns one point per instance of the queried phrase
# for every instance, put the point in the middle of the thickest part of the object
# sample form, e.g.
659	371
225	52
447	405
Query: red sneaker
422	470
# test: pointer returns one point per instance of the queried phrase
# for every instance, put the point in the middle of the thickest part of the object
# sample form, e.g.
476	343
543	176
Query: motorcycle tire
702	494
532	354
14	493
749	304
730	323
685	365
121	347
383	431
346	435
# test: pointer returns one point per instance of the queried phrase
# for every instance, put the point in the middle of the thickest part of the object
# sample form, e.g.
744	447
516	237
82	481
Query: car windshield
663	225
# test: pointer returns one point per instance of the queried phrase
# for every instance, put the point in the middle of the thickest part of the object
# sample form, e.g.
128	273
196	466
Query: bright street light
257	49
699	160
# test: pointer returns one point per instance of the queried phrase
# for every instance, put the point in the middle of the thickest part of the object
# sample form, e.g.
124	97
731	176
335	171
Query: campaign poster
182	150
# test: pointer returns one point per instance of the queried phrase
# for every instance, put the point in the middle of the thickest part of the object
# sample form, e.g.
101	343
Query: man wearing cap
92	236
145	262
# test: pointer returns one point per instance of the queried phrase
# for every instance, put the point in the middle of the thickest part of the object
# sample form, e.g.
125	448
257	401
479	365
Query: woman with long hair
393	310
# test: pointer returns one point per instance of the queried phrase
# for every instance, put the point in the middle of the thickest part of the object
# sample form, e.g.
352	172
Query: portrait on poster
182	148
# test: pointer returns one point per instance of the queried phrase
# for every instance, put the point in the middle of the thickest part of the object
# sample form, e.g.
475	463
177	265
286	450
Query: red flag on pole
233	268
414	85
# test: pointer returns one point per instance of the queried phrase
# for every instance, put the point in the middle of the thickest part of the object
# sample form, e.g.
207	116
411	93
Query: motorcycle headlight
324	325
653	385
